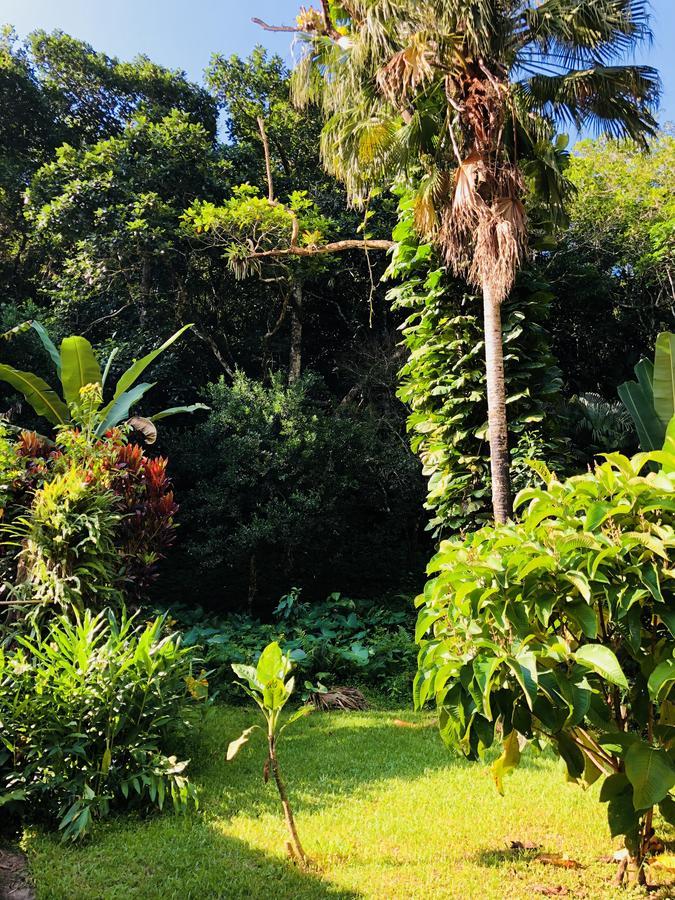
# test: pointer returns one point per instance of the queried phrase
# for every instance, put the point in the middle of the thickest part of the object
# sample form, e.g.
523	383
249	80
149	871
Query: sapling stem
295	845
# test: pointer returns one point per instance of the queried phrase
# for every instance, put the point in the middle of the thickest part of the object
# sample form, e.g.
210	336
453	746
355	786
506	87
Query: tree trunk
295	354
496	398
252	583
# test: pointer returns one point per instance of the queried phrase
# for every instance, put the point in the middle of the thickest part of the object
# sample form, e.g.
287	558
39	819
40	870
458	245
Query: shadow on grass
166	858
325	758
497	859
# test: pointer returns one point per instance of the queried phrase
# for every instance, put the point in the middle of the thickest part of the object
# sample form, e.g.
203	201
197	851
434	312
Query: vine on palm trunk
443	381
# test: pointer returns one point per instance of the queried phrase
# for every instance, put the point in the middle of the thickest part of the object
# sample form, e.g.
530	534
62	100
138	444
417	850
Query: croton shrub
559	629
86	521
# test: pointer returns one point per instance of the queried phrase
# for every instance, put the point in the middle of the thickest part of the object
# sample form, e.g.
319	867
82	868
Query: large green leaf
651	773
109	362
508	761
272	664
79	366
639	403
603	661
664	377
118	410
138	367
662	677
176	410
668	452
44	400
48	344
276	693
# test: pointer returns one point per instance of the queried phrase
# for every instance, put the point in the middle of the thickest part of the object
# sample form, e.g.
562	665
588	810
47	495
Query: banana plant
76	367
651	399
269	686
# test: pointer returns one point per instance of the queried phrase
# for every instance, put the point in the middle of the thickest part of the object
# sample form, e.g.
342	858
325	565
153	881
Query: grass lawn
384	811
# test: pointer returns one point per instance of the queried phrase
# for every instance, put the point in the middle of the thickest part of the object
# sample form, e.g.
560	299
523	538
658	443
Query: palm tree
463	97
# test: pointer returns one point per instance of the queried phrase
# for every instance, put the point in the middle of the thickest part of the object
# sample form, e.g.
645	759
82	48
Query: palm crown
465	91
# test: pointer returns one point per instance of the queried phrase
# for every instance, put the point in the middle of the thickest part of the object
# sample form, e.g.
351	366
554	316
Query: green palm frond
577	34
604	99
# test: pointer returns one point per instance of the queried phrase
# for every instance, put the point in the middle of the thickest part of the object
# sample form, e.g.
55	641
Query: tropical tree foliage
613	264
558	630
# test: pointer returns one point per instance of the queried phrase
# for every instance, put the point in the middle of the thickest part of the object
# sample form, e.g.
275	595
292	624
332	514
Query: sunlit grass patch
383	810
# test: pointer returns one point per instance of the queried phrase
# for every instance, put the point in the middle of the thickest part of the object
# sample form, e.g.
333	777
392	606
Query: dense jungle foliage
101	171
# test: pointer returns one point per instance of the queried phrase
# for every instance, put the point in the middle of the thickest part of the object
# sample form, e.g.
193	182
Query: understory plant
650	399
558	630
269	685
88	520
339	641
91	711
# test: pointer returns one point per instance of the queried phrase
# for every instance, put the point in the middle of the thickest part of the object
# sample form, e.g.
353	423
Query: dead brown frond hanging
498	248
407	69
344	698
460	218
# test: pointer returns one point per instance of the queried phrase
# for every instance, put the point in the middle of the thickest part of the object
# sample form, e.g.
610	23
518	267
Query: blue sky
183	35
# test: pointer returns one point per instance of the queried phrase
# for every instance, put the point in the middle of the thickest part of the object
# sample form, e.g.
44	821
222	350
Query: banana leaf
118	410
176	410
664	377
138	367
48	344
79	366
639	404
44	400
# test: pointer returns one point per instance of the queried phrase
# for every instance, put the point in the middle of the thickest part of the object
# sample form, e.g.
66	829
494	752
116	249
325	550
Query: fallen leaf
561	862
665	862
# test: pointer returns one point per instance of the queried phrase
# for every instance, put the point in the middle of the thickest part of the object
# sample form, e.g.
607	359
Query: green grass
384	812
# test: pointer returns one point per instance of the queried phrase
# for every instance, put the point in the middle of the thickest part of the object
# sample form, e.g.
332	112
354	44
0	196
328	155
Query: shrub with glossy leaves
90	713
559	629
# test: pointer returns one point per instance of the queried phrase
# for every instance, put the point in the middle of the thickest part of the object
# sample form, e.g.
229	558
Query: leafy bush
340	640
559	629
68	554
280	486
89	714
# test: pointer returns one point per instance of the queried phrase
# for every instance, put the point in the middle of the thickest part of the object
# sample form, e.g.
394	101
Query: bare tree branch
287	28
215	350
334	247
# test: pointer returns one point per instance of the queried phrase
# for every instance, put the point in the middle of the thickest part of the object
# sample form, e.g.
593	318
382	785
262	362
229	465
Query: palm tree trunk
496	397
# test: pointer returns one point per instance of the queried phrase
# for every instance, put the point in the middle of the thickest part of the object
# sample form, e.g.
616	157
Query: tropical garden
337	461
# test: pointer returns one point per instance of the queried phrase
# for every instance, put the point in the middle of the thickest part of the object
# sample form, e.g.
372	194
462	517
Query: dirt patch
14	880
